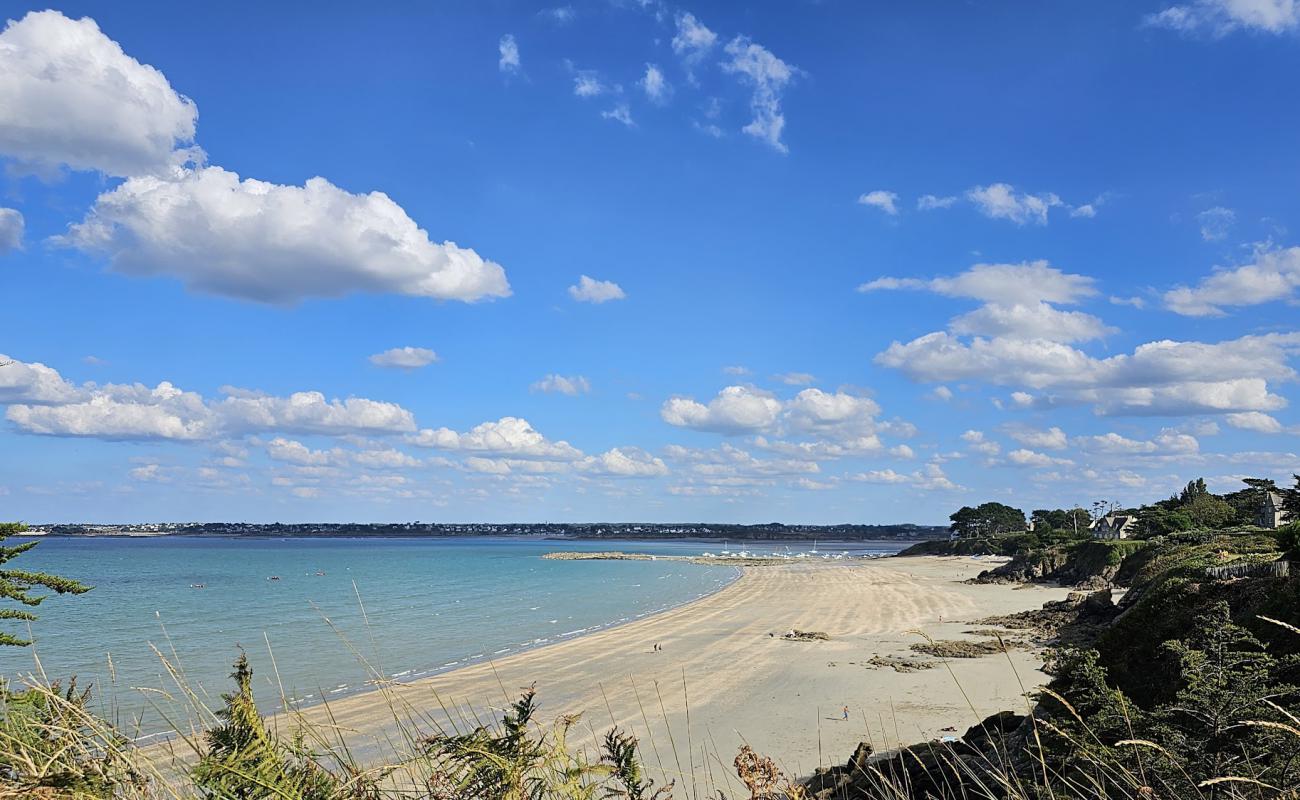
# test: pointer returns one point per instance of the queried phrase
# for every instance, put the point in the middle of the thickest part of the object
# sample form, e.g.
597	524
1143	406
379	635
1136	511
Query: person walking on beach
846	713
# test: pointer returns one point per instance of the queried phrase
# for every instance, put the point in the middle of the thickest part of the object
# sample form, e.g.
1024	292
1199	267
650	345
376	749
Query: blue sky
808	262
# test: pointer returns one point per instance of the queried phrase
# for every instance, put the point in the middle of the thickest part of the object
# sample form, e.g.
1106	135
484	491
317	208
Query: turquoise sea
338	613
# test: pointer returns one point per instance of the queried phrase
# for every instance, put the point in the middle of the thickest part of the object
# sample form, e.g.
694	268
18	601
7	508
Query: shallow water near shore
334	613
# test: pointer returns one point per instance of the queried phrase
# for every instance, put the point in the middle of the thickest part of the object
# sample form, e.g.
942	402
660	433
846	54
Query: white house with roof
1271	514
1114	526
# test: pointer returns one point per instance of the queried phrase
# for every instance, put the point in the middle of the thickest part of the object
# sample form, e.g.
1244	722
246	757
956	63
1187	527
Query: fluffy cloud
293	452
1051	439
736	409
693	39
404	358
655	85
881	199
508	436
272	243
626	462
1167	442
768	75
42	402
813	411
1274	275
929	478
1254	421
1016	299
590	290
1030	458
1000	201
11	230
508	54
732	466
72	97
1165	377
118	412
1035	321
561	384
33	383
824	424
1027	283
310	412
1221	17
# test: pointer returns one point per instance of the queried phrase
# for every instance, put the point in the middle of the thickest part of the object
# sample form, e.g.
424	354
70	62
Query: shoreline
725	675
414	677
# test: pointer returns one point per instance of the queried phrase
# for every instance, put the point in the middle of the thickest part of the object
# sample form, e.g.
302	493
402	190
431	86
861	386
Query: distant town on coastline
592	530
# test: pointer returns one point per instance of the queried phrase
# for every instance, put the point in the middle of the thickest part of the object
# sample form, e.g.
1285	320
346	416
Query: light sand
784	698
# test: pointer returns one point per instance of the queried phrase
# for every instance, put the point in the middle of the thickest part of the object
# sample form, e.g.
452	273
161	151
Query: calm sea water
341	612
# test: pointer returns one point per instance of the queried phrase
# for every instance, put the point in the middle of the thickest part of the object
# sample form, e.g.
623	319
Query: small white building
1115	526
1271	514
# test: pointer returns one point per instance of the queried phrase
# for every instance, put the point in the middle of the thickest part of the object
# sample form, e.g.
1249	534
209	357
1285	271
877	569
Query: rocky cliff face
1091	565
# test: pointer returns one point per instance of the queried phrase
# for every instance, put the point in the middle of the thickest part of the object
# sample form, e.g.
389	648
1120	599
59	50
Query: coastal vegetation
16	585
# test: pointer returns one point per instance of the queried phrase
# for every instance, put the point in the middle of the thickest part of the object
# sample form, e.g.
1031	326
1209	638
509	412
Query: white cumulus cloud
736	409
1000	201
1273	275
590	290
71	97
404	358
272	243
508	436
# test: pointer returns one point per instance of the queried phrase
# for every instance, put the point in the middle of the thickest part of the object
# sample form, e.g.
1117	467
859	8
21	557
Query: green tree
988	519
1291	500
17	585
245	761
1227	682
1246	502
1208	511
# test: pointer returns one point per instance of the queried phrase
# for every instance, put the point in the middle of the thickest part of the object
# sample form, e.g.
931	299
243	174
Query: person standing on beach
846	713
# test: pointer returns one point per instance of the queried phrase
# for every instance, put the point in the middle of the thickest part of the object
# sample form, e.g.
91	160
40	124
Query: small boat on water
196	585
273	578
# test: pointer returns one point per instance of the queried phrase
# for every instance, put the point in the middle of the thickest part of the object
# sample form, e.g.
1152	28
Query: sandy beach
720	668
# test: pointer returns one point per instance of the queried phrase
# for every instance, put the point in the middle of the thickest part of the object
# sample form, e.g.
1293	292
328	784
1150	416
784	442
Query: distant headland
770	531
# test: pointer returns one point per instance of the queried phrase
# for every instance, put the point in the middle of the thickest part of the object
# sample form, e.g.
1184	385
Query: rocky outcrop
1088	564
1078	619
934	769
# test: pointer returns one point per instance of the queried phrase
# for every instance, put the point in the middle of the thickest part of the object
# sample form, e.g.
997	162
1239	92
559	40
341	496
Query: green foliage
1209	512
1226	681
1065	521
988	519
51	746
1288	539
244	761
1228	712
17	585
